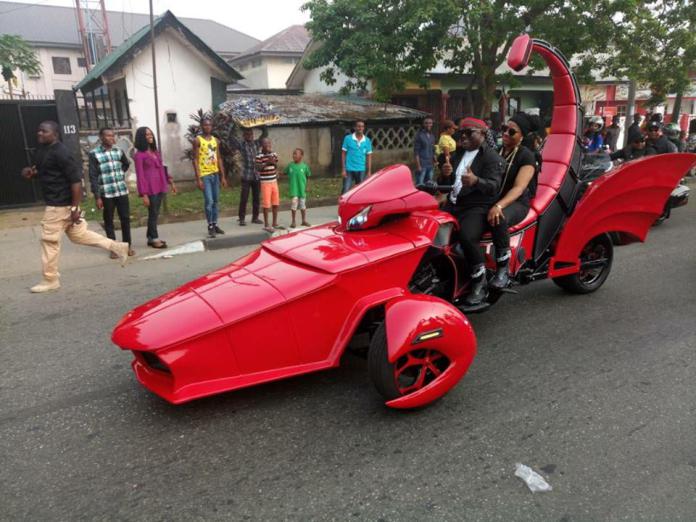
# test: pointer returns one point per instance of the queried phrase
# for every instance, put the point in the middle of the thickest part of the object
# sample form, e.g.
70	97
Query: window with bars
61	65
392	137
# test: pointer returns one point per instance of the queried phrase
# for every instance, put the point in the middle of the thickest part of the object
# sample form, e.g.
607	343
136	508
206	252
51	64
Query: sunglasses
653	129
469	132
509	130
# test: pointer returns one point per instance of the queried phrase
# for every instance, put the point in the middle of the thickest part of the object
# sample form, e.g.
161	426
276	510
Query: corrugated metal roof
317	109
290	41
92	79
58	26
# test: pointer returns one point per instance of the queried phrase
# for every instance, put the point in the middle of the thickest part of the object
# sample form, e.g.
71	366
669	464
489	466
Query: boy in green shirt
298	172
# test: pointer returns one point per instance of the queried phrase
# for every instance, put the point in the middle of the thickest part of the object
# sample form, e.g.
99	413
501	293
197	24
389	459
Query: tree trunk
630	109
677	107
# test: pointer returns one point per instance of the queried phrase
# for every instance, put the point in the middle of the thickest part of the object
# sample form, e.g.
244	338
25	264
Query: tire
590	280
421	365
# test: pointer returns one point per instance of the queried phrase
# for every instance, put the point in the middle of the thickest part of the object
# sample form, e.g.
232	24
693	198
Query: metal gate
19	120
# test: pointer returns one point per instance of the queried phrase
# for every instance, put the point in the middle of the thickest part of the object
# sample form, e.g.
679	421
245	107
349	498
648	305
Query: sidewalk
20	253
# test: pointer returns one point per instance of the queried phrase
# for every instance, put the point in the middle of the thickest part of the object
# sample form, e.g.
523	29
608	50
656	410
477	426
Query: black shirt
513	164
57	171
629	153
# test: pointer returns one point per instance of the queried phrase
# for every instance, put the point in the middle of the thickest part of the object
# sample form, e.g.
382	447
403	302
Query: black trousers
473	222
121	205
152	214
255	187
512	214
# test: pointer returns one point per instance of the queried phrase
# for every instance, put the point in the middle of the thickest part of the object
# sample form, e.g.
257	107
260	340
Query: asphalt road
597	392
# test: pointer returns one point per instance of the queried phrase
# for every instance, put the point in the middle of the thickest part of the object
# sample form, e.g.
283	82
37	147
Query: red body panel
411	315
628	199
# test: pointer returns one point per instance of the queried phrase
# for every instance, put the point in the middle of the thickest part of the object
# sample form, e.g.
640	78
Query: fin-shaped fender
628	199
415	322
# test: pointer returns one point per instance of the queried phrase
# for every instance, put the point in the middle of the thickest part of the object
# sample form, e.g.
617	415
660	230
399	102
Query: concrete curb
232	241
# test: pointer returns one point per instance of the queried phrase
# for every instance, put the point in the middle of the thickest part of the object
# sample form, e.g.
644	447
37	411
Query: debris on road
534	481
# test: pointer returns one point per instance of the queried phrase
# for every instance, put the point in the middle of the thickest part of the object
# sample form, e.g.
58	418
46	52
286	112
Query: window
81	62
171	117
61	65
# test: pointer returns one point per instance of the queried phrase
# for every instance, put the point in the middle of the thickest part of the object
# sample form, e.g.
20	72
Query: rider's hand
28	172
469	179
495	215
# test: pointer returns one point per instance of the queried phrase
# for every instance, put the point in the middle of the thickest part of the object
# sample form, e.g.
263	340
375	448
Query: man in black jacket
657	140
475	173
635	149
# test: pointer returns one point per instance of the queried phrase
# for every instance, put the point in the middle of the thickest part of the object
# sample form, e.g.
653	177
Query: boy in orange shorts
267	169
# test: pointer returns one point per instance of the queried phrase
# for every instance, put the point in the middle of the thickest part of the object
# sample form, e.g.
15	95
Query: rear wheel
595	265
409	373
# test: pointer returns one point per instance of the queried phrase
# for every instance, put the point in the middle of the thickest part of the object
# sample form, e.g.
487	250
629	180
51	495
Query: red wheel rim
417	369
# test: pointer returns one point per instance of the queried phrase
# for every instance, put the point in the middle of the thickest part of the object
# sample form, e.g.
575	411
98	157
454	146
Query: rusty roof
307	109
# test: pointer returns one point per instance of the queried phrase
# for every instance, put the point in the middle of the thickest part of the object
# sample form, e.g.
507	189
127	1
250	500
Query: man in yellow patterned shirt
210	173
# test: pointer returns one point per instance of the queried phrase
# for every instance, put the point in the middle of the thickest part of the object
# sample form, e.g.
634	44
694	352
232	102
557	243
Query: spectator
298	172
424	151
210	173
249	148
593	138
153	181
61	184
671	132
634	130
446	145
612	133
267	170
107	177
657	140
636	149
356	157
691	138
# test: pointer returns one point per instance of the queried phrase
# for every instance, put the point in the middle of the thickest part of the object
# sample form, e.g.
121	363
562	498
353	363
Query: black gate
19	120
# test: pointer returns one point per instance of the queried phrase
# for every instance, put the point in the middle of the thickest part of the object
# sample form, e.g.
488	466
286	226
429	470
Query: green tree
16	54
392	41
654	44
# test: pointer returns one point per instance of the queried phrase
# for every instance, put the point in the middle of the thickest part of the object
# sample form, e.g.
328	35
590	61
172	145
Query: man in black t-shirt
657	140
61	182
636	149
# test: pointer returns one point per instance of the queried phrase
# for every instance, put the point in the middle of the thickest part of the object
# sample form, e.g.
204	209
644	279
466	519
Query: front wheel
409	373
595	265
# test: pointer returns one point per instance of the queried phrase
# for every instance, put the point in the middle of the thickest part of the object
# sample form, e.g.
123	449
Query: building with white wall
268	64
190	76
53	33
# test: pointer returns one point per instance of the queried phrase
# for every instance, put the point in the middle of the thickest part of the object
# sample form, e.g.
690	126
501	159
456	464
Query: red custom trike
388	268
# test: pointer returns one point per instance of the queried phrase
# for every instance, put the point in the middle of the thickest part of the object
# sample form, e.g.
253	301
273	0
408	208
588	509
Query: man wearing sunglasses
475	173
657	140
634	150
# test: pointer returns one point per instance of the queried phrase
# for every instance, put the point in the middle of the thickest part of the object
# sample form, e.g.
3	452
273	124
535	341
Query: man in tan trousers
61	183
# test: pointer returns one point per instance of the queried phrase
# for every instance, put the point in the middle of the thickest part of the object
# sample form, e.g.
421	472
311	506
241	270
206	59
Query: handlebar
432	188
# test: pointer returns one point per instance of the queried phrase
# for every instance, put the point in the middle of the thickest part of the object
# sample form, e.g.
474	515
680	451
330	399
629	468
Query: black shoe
211	231
501	279
257	221
479	288
242	223
218	230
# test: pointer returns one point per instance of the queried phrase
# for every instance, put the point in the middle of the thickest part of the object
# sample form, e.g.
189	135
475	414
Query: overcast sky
258	18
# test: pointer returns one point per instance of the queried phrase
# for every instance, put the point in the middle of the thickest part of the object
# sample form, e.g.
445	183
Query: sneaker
122	251
218	230
257	221
45	286
211	231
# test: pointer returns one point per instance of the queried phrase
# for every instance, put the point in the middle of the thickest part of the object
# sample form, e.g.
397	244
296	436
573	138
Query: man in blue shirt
424	151
356	157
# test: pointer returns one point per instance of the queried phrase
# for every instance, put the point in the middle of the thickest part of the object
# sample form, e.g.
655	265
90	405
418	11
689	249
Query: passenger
518	188
475	174
657	140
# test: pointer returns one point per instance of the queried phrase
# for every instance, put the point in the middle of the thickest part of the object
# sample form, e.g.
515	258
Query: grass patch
189	201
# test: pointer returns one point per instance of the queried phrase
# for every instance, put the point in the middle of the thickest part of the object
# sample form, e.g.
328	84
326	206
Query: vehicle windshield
594	165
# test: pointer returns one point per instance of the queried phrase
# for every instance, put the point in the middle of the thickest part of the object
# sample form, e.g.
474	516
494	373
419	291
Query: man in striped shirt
267	170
